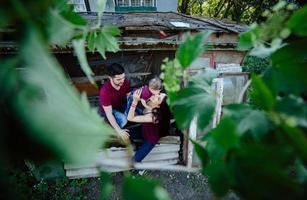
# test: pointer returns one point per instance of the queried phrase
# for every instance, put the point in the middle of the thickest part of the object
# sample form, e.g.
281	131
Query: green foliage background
258	150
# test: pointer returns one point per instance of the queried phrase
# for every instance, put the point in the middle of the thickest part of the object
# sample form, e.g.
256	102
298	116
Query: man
113	95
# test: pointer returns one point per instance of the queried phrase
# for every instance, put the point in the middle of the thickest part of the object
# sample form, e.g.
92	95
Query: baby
150	95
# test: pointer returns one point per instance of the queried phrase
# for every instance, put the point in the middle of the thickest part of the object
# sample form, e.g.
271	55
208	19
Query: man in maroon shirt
113	95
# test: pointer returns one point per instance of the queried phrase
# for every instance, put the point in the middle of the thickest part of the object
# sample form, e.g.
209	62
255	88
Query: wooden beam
103	77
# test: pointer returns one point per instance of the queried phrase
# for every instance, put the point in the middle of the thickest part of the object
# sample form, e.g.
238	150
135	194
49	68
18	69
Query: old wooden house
151	31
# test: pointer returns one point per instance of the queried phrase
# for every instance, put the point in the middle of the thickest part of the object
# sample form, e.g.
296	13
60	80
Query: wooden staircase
166	152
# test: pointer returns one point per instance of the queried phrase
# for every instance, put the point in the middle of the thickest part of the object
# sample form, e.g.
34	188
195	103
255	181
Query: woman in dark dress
155	122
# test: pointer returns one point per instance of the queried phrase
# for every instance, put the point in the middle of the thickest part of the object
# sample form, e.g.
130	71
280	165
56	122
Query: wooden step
115	158
94	171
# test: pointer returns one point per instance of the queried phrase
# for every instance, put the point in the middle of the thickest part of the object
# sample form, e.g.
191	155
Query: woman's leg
143	151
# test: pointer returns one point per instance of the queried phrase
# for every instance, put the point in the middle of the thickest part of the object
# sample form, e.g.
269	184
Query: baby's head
155	85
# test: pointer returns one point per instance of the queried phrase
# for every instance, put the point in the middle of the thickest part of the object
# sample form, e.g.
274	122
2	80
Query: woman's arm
131	114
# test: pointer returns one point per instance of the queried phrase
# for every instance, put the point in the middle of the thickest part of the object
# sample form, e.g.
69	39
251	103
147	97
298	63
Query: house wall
166	6
134	62
110	5
162	5
227	56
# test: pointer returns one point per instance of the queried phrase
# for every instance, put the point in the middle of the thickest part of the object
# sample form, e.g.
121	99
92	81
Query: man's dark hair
115	69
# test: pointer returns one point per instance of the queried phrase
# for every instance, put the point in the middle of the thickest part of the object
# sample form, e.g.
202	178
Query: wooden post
217	86
192	135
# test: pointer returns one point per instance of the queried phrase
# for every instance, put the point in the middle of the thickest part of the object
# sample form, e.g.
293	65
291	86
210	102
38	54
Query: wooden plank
170	140
102	156
94	171
103	77
159	157
192	135
217	85
115	153
159	149
87	87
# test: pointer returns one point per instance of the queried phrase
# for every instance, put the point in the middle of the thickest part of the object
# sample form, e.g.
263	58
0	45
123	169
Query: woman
154	124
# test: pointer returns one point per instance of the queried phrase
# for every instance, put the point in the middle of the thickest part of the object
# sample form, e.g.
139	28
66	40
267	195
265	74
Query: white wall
110	5
162	5
167	5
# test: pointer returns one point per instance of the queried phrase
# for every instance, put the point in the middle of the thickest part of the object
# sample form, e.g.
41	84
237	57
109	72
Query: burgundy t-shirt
150	132
109	96
146	94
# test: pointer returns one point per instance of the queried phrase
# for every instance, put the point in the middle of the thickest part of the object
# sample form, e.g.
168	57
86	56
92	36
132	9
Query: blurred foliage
143	188
255	65
197	98
258	150
247	11
42	115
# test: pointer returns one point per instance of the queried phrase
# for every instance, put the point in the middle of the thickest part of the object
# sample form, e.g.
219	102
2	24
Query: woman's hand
137	95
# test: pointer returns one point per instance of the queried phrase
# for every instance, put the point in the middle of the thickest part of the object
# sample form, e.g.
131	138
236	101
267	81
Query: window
148	3
123	2
136	3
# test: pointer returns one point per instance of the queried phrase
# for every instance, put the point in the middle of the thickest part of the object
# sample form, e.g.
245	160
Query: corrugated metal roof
147	21
165	20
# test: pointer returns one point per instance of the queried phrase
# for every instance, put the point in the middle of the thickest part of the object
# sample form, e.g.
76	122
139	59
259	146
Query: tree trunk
184	6
219	8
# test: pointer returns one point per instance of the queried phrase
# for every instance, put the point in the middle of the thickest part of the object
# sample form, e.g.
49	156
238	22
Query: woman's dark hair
162	117
115	69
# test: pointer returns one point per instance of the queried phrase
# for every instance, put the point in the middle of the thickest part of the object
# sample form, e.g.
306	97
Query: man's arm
122	132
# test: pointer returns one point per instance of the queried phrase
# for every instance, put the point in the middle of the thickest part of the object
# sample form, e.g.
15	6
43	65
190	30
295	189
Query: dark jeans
120	117
143	151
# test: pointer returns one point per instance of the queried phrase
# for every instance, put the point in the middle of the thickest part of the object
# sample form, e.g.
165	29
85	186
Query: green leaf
261	94
140	188
8	77
301	171
201	152
245	42
287	78
79	47
297	22
203	79
196	100
296	49
225	135
255	162
171	76
55	115
262	51
67	11
193	102
91	39
219	178
298	139
106	185
59	29
106	42
293	108
192	47
111	30
280	5
248	119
